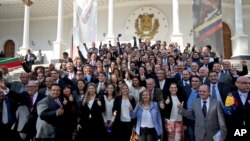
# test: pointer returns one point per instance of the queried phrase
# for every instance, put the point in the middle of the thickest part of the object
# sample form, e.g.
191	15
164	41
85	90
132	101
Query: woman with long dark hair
70	113
174	120
108	116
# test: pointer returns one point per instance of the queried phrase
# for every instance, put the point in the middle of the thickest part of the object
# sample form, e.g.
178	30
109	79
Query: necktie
243	98
99	88
31	101
58	102
214	92
204	108
185	83
6	117
161	84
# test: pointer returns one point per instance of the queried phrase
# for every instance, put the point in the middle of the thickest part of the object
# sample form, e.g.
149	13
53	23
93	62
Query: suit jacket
207	126
156	117
168	107
102	91
165	89
43	90
206	81
157	95
31	60
48	124
225	78
117	107
30	126
14	102
240	118
209	66
224	90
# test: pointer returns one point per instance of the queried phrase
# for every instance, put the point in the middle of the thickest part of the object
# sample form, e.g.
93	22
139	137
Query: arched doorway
9	49
227	41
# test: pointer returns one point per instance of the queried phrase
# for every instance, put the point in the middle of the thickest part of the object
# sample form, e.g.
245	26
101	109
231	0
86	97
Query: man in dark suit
219	90
163	83
55	74
30	98
203	71
240	117
209	118
206	63
88	74
156	93
102	83
30	58
50	117
185	81
9	101
191	94
222	77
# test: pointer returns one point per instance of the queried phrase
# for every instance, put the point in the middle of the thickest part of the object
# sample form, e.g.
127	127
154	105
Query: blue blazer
155	114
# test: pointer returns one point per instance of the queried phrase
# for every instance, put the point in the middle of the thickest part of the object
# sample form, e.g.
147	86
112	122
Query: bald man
209	118
240	118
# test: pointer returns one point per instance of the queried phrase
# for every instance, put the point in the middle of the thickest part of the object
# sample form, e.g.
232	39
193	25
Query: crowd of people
144	92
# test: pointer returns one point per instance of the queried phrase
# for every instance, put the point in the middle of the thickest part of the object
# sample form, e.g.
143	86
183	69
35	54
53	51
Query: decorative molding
27	2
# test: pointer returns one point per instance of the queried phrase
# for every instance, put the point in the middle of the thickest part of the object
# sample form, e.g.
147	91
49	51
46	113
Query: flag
10	62
84	24
207	25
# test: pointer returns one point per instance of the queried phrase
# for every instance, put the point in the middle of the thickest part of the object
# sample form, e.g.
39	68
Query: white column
110	35
238	18
60	21
176	25
26	27
59	44
176	35
240	39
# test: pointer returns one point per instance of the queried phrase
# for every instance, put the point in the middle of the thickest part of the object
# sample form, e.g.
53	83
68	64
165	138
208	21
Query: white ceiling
12	9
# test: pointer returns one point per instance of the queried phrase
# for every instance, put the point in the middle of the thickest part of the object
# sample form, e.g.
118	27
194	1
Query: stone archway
9	49
227	41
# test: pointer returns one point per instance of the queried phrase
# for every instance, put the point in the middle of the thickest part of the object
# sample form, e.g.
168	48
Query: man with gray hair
30	98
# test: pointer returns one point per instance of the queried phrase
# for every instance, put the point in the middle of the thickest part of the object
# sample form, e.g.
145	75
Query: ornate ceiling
14	9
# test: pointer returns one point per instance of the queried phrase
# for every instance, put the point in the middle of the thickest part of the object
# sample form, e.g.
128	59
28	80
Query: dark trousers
148	134
123	131
190	130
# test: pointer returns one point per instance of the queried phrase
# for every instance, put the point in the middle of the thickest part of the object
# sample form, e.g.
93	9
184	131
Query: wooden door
227	41
9	49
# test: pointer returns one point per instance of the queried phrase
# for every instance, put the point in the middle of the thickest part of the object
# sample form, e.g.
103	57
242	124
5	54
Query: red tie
31	101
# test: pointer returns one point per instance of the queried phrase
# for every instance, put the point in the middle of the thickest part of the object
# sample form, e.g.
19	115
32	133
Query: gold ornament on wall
145	26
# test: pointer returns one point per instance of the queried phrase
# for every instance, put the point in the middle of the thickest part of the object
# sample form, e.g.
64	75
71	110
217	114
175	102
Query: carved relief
146	23
145	26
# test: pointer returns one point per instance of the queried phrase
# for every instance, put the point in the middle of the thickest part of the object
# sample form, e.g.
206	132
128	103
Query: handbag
134	136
